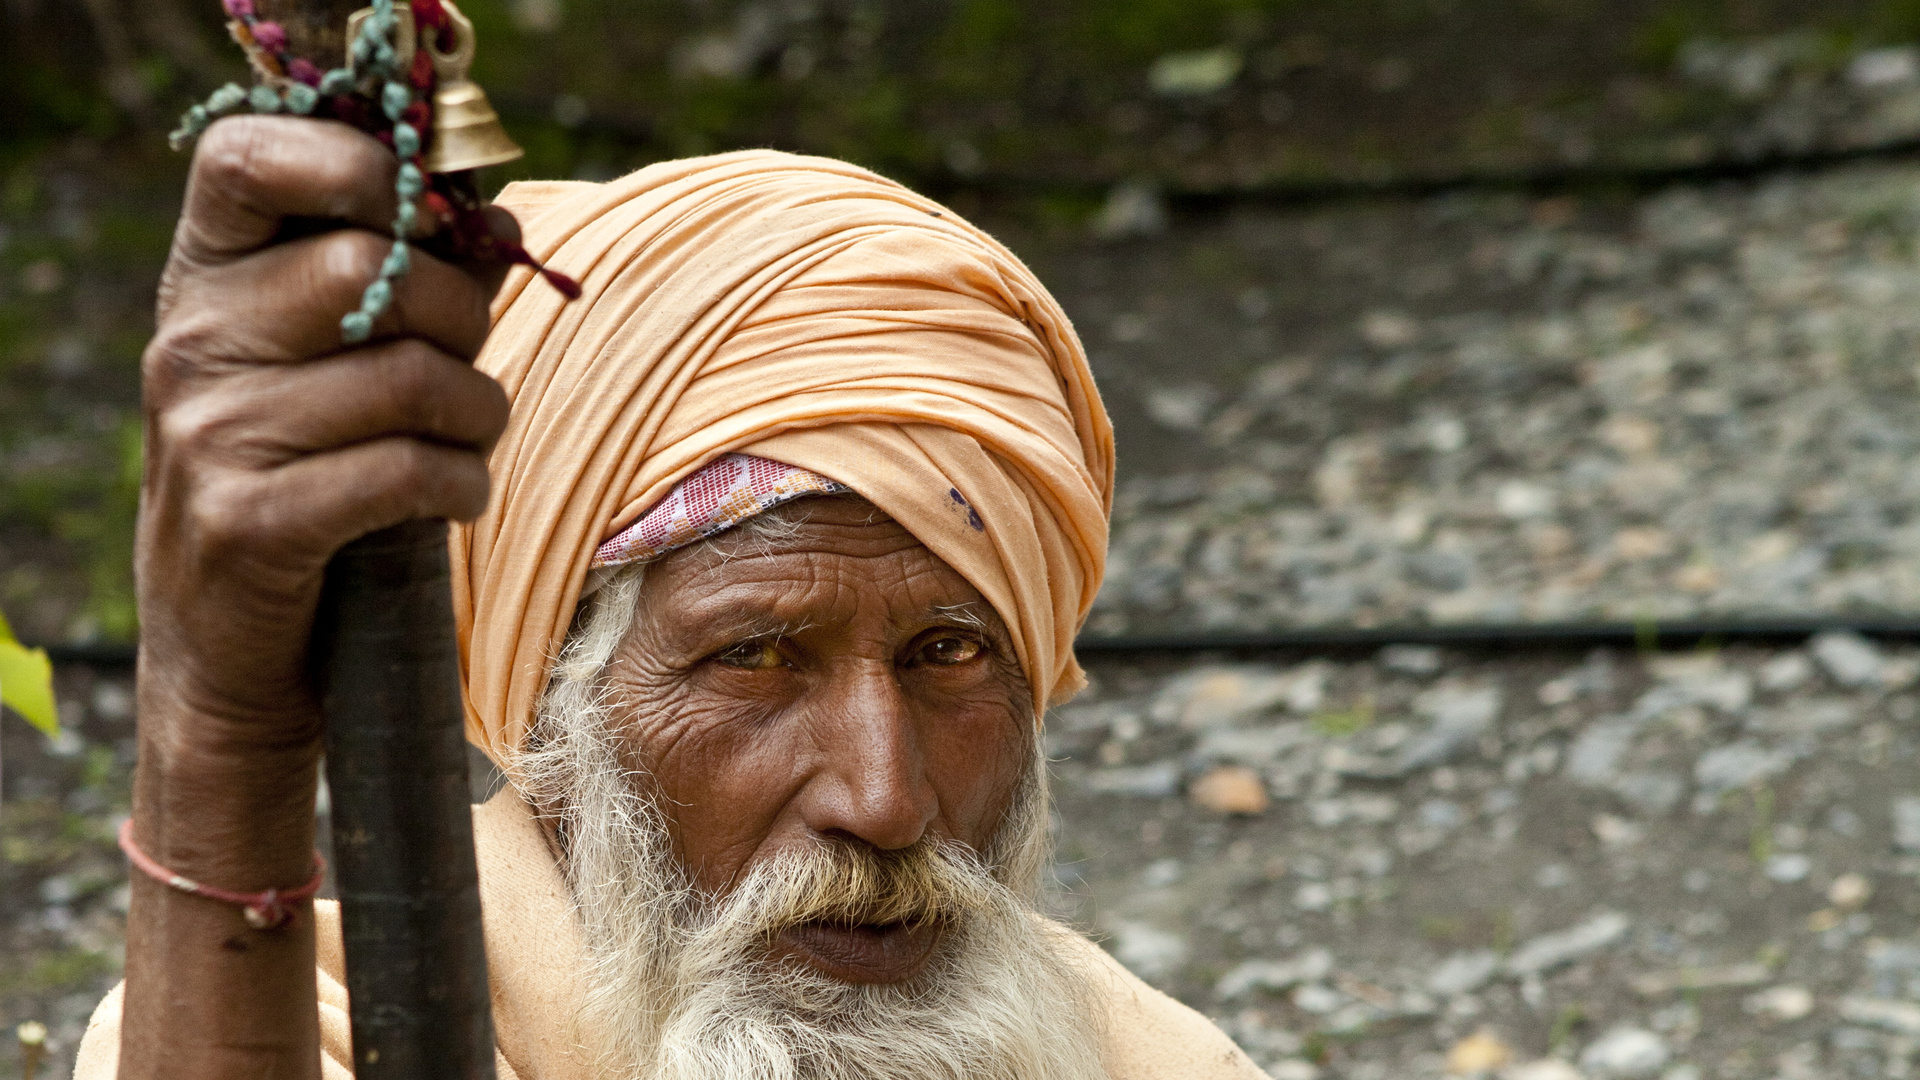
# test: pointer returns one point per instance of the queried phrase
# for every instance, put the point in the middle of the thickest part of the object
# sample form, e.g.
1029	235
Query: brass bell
466	131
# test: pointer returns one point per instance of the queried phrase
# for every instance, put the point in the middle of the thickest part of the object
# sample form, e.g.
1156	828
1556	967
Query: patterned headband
712	499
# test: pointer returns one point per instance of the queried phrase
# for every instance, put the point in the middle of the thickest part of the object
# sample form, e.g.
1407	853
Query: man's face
841	683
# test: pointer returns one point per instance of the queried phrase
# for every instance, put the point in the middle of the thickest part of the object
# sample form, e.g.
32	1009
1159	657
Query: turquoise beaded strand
374	63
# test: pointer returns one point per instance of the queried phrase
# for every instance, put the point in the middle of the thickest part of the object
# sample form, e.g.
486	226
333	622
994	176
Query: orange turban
797	309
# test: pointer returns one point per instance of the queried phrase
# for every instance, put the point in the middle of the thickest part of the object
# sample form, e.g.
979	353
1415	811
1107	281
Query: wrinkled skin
817	690
829	687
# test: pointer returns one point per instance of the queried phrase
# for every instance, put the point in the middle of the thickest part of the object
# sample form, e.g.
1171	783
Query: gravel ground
1672	865
1696	402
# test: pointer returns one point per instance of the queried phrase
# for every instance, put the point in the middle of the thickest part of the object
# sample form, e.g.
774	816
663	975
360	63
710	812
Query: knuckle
179	352
191	428
347	260
228	157
224	512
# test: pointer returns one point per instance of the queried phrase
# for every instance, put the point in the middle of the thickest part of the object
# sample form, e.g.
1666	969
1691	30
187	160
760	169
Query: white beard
680	987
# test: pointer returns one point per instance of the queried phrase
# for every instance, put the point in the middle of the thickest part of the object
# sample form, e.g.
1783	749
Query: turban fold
800	310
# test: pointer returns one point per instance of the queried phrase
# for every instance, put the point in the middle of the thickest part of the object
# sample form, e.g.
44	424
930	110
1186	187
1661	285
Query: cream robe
535	958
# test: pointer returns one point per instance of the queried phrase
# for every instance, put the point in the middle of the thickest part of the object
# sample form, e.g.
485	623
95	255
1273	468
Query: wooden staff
386	663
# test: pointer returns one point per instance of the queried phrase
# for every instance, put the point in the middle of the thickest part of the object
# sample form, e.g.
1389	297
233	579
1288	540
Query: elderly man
777	542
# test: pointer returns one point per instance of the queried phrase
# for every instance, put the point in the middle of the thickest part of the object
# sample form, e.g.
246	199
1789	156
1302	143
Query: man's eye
950	650
758	655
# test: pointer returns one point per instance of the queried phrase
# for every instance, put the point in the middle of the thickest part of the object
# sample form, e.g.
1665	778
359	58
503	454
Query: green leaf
26	682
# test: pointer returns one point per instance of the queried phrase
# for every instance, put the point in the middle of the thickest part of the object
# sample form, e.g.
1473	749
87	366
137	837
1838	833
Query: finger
309	508
371	485
266	417
285	303
505	228
251	173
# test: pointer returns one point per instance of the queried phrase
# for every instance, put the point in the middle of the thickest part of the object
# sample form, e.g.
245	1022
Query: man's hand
269	446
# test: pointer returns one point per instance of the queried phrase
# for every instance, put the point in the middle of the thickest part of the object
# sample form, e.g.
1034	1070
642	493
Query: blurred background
1437	325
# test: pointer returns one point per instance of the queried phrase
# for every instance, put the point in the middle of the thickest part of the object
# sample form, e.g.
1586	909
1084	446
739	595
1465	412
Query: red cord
264	910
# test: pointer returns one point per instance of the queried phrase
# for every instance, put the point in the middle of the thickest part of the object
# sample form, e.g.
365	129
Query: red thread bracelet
264	910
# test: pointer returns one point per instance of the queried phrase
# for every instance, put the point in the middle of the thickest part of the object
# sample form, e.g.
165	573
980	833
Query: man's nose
871	781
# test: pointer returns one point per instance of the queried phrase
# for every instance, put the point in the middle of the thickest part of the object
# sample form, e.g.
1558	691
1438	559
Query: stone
1788	671
1463	973
1738	765
1899	1017
1457	715
1257	747
1219	696
1155	781
1548	951
1849	659
1230	789
1780	1004
1850	891
1788	867
1624	1053
1662	983
1617	832
1419	660
1906	822
1133	209
1478	1054
1543	1069
1274	975
1146	950
1318	999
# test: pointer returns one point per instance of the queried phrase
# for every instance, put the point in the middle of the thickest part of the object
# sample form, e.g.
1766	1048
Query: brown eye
760	655
950	650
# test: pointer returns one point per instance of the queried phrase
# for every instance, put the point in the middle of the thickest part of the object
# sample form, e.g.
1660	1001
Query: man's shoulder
1149	1035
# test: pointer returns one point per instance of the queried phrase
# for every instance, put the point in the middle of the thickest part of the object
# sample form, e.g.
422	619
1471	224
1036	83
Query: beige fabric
793	308
535	957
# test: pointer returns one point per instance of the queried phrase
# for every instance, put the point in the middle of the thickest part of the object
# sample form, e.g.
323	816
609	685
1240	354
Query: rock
1625	1053
1310	966
1788	867
1617	832
1230	789
1155	781
1850	891
1293	1069
1662	983
1899	1017
1478	1054
1132	210
1194	74
1458	716
1521	501
1594	758
1318	999
1738	765
1181	408
1256	747
1543	1069
1788	671
1780	1004
1219	696
1849	659
1313	896
1548	951
1463	973
1148	951
1906	822
1419	660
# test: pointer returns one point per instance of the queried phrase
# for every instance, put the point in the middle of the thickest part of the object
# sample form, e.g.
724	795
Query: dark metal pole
386	664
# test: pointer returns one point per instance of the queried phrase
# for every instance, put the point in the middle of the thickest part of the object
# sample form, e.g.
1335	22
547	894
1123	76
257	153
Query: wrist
239	820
